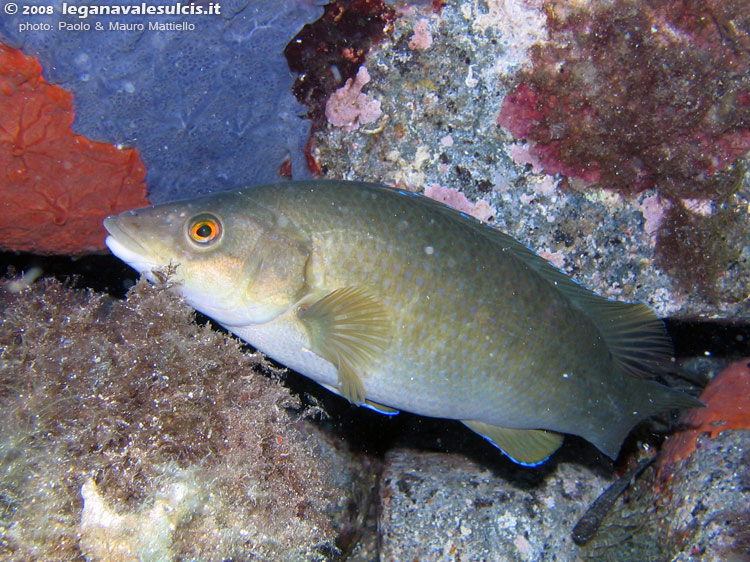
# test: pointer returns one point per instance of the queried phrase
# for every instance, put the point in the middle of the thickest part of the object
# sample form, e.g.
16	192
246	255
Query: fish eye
204	229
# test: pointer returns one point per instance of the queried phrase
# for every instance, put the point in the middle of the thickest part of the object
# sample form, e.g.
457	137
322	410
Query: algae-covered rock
129	432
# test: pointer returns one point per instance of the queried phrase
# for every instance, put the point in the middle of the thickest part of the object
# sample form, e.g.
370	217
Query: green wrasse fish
397	302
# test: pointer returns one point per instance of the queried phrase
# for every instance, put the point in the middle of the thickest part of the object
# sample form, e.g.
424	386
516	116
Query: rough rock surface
438	507
693	504
699	513
707	511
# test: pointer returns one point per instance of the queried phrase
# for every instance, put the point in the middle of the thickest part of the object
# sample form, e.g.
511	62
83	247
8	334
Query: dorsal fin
634	335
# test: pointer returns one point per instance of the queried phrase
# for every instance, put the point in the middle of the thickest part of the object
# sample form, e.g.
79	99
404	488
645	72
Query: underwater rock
685	253
209	105
57	187
704	473
439	507
699	513
355	473
631	96
705	509
129	429
693	504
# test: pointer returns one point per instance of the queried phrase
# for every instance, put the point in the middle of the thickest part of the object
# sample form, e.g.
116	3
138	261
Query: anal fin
529	447
380	408
350	328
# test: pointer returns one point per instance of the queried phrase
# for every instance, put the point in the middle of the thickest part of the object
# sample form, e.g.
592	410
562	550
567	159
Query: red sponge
55	187
727	399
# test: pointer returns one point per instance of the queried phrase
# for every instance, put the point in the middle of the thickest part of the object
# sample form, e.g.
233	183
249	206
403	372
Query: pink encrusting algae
422	38
454	198
348	107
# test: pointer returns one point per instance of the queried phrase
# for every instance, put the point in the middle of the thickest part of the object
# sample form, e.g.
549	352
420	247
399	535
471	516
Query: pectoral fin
529	447
350	328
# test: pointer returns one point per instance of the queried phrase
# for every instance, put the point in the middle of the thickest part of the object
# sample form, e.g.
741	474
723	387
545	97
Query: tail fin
660	398
645	398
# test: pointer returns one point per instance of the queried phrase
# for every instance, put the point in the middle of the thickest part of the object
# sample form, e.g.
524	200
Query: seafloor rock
683	253
205	98
438	507
695	504
131	433
56	188
704	473
706	505
700	513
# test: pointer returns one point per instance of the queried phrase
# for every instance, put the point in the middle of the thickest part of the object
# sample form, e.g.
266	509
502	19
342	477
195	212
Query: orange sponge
727	400
55	187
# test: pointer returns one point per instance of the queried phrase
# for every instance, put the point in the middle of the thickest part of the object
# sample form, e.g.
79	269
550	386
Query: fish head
234	261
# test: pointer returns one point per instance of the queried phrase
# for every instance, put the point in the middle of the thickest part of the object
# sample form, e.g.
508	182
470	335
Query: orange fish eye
204	229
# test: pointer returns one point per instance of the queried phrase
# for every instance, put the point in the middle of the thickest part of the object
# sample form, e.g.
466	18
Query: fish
398	303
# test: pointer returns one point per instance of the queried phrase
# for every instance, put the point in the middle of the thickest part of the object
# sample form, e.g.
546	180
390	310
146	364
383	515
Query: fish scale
398	302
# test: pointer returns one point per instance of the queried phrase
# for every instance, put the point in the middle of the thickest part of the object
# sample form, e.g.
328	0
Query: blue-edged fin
369	404
529	447
380	408
350	328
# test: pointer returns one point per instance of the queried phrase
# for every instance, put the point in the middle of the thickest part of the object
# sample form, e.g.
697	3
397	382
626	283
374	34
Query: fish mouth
126	247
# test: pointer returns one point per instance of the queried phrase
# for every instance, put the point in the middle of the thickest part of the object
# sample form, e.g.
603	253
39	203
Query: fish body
398	302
